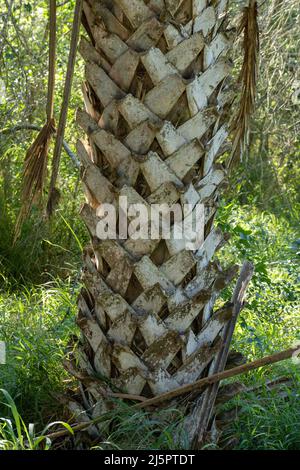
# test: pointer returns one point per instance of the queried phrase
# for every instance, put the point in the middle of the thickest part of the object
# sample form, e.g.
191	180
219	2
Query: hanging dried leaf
248	78
34	174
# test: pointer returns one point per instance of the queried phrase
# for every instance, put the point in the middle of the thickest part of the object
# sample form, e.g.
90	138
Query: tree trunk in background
157	104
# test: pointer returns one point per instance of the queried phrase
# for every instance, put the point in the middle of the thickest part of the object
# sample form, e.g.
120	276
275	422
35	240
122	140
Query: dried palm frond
35	164
34	174
248	79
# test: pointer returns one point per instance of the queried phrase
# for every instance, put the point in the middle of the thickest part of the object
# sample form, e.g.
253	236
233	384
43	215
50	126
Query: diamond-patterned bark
157	98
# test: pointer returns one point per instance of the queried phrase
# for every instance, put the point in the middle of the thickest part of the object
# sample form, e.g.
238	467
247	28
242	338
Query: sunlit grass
36	324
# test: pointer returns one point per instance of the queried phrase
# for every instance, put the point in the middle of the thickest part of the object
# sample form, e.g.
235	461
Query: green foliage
44	246
142	430
270	322
270	421
15	435
271	318
23	85
36	325
134	429
37	322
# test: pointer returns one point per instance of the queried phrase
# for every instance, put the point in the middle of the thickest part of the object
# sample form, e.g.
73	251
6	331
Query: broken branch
65	105
203	410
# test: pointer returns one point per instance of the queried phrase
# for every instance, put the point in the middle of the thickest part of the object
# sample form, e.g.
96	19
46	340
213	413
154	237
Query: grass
132	429
272	423
270	322
15	435
36	323
142	430
271	318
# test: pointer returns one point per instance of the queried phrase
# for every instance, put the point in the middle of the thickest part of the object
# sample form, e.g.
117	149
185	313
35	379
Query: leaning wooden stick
64	110
203	412
52	60
200	384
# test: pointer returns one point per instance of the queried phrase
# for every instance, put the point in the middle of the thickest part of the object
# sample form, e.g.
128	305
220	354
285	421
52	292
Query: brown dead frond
34	174
248	79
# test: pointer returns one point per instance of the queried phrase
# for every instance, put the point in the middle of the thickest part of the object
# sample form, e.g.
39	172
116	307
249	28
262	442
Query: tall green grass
269	322
36	324
269	420
16	435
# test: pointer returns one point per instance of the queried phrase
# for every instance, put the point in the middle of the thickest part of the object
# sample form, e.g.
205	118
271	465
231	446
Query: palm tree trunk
157	106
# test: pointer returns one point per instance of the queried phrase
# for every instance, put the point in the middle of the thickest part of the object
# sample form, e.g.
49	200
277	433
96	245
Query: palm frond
34	174
248	79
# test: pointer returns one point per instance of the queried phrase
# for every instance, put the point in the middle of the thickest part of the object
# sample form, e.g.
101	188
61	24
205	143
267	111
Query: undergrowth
36	323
